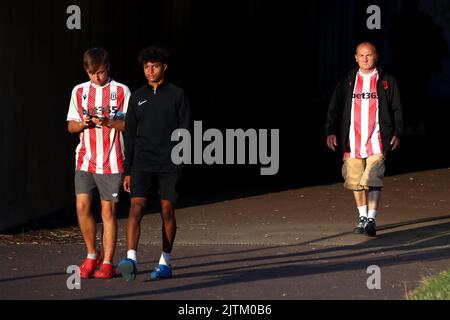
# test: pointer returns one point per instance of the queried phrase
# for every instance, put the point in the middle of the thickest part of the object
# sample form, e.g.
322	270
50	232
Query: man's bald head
366	57
368	45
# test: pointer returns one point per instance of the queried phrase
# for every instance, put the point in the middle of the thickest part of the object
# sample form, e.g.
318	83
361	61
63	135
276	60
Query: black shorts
142	184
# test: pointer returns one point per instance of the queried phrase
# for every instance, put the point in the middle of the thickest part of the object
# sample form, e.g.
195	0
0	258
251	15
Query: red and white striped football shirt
101	149
365	137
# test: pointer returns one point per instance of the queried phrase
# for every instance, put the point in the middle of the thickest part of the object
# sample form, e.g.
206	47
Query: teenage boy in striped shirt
96	113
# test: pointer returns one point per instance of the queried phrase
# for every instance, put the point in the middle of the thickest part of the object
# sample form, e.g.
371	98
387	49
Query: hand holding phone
87	120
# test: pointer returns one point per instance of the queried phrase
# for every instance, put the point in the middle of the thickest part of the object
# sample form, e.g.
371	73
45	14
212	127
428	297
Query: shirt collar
161	86
101	87
375	71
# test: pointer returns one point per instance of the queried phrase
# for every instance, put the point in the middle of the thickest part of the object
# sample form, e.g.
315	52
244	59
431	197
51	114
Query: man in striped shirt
96	113
365	117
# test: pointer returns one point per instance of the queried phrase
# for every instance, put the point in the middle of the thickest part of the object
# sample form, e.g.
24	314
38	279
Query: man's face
98	77
154	71
366	57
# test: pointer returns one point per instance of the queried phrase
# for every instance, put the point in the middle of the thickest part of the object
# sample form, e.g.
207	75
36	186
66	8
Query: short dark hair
94	58
154	54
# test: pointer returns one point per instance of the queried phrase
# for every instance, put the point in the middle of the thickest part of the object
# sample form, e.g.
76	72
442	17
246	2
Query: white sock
92	256
165	258
372	214
108	262
362	211
131	254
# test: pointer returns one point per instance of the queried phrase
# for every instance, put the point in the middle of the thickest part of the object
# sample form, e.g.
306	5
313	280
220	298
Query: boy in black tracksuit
155	111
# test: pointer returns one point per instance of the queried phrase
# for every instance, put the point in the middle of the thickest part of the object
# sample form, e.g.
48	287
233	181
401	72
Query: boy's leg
109	187
109	237
85	188
141	184
109	229
168	183
128	266
88	229
169	226
134	222
86	221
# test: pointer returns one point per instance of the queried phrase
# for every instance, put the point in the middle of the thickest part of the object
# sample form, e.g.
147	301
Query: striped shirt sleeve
73	114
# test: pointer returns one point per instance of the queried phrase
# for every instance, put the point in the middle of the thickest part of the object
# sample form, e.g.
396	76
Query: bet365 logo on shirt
365	95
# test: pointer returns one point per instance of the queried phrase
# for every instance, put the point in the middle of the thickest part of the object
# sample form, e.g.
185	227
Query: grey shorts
107	185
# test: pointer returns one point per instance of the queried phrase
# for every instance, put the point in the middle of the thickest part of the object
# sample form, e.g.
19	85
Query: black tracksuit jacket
151	118
389	109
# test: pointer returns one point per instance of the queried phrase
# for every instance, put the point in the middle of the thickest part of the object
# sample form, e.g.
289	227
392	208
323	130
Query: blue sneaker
161	272
127	267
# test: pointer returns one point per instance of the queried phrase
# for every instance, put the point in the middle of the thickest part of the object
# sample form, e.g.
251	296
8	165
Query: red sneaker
88	267
106	271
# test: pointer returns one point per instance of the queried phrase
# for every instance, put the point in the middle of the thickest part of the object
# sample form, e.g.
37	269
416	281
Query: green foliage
434	288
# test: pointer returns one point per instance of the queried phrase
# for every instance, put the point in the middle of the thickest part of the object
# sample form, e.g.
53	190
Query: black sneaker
371	228
359	229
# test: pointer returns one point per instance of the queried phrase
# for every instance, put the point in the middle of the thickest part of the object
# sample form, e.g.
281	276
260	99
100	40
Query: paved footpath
291	245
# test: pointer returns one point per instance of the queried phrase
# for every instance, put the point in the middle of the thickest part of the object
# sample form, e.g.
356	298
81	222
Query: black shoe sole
358	230
370	233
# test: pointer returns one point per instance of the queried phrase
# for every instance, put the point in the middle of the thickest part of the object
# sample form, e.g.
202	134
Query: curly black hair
154	54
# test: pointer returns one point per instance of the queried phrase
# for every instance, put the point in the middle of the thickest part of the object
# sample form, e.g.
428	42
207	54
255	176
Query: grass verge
433	288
